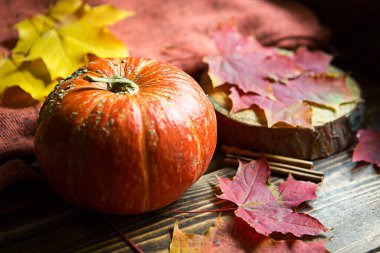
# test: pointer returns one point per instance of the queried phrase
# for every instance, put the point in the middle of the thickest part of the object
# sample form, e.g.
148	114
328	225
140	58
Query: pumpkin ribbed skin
124	152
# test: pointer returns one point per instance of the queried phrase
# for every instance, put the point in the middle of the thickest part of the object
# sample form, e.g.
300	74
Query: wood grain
348	203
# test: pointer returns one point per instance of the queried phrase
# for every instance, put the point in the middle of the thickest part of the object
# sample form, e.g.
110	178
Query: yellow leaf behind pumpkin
13	73
66	33
53	45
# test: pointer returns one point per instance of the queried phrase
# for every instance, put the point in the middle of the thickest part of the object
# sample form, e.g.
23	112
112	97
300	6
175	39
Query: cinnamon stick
273	158
280	165
314	177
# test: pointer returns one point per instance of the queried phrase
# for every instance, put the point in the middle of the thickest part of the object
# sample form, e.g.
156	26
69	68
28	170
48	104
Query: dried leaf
66	33
282	84
243	61
53	45
268	208
290	102
236	236
326	90
315	62
276	112
12	73
368	147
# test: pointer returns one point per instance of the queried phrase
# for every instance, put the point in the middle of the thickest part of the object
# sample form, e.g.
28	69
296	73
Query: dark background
355	42
355	26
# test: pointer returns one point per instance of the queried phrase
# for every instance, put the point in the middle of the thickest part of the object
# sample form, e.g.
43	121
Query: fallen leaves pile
283	85
262	209
53	45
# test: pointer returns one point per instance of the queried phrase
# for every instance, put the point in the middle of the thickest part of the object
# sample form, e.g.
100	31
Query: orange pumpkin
125	136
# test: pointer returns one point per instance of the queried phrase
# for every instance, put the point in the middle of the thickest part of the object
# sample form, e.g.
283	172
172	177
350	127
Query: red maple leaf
290	102
282	84
268	208
368	147
237	236
315	62
245	62
242	60
276	111
228	40
323	89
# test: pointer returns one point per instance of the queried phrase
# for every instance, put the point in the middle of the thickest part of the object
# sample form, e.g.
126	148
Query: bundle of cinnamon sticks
279	165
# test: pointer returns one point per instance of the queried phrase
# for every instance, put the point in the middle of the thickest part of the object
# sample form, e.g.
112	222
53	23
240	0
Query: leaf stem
125	238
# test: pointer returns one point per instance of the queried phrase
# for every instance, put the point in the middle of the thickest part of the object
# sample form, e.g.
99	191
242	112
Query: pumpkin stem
116	84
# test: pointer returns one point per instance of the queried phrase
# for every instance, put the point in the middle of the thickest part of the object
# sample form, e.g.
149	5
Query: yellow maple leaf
22	74
69	31
54	45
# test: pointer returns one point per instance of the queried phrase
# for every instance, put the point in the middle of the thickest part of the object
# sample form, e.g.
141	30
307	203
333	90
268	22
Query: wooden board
348	203
332	130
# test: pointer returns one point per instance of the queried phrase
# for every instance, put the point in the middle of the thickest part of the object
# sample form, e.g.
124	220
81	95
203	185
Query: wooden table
348	203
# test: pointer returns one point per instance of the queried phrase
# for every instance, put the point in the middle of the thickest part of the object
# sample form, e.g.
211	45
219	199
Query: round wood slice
332	131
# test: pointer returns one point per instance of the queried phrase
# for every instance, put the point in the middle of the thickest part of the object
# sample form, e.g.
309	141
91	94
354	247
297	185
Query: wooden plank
87	231
348	203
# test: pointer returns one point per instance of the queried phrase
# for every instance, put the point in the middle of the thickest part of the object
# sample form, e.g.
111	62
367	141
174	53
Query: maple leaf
236	236
282	84
325	90
268	208
228	40
66	33
52	46
290	102
243	61
315	62
13	73
294	114
368	147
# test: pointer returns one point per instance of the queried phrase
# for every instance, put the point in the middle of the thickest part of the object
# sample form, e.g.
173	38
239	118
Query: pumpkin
125	135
